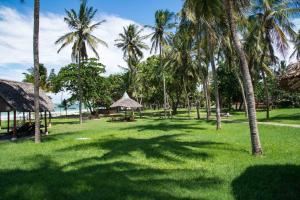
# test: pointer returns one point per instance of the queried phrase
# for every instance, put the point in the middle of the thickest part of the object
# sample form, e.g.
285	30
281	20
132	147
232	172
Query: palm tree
36	28
181	62
206	15
45	79
271	25
131	42
296	51
159	38
230	7
81	26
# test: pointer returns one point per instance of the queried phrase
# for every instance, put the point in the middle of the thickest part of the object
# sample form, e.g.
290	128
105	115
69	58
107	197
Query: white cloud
16	41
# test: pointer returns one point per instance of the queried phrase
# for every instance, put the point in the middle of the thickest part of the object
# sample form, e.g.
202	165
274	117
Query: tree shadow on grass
65	122
268	182
280	117
165	147
117	180
164	126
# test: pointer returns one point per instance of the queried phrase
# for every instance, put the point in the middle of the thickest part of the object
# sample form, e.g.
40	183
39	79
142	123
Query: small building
290	80
19	97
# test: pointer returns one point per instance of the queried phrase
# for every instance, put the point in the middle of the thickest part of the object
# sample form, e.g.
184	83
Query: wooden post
0	121
46	125
29	117
8	120
14	136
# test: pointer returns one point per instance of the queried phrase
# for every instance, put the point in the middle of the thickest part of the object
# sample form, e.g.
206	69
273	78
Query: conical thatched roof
291	79
126	102
19	96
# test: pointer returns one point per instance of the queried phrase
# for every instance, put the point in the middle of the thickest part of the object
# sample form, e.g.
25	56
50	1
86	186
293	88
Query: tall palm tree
159	38
36	29
271	24
230	7
181	62
81	26
132	43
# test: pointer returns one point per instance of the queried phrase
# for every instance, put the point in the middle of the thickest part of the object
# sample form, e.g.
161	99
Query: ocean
72	110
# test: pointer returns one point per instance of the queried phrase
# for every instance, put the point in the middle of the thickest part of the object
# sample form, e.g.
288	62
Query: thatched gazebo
126	102
19	97
290	80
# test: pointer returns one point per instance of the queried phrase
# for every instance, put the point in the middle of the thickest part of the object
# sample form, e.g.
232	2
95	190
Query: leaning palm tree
159	38
132	44
36	29
230	7
81	37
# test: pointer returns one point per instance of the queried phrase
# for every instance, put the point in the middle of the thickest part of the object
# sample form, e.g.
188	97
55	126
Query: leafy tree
81	26
94	90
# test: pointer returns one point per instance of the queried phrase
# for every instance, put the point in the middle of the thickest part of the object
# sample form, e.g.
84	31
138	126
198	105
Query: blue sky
141	11
16	25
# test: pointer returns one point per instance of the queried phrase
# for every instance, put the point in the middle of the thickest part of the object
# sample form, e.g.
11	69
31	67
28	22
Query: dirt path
279	124
267	123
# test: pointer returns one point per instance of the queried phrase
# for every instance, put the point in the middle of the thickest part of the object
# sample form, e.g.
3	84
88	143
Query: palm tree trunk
265	85
215	77
207	101
37	132
243	93
255	140
198	109
187	101
80	88
164	81
267	94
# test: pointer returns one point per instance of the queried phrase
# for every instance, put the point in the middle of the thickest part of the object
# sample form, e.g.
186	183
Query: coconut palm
181	63
45	79
231	7
159	38
271	25
132	44
207	15
80	37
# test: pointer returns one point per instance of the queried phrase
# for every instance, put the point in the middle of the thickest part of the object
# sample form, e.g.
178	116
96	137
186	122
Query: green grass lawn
153	159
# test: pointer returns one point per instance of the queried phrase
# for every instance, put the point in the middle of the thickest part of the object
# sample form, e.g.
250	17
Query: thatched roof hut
126	102
290	80
19	96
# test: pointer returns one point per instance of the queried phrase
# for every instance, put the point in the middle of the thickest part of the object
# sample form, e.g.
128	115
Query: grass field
154	159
